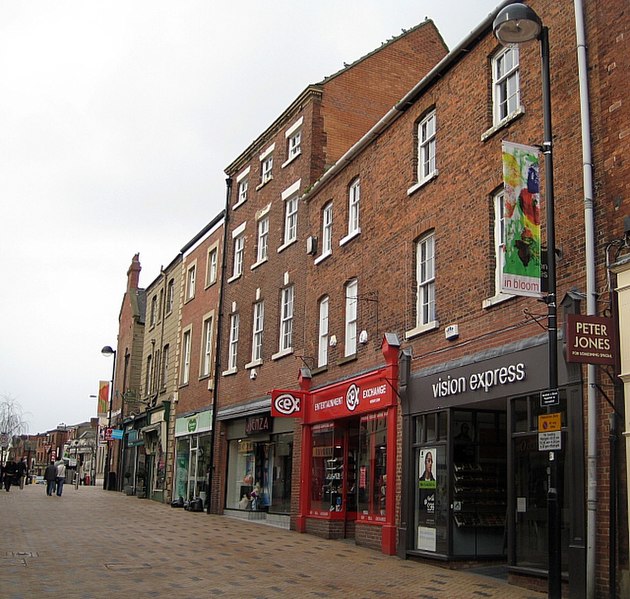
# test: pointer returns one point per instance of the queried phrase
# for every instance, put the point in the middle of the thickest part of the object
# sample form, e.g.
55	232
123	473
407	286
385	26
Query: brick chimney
133	274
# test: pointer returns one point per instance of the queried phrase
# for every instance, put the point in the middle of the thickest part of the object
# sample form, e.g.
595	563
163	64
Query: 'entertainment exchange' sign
511	374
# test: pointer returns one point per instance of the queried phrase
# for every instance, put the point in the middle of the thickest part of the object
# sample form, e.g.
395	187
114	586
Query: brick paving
91	543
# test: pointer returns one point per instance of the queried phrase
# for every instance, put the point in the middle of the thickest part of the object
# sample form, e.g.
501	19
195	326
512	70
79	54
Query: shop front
475	465
193	438
259	466
348	452
155	449
134	457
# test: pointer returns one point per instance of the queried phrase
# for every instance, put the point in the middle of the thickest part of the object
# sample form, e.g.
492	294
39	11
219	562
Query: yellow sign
549	422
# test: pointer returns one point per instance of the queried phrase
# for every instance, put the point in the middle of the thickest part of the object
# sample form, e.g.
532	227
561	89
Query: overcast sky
117	119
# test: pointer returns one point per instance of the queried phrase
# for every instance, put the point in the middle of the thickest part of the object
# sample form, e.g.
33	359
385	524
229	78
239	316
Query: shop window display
372	466
334	469
259	474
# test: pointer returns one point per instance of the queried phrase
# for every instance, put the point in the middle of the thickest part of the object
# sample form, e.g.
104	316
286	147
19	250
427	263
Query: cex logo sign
287	404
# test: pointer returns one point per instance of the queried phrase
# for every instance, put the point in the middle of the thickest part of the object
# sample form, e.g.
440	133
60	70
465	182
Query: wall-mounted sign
590	339
258	424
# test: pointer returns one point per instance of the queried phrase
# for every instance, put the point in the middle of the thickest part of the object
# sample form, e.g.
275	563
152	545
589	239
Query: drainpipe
591	296
217	350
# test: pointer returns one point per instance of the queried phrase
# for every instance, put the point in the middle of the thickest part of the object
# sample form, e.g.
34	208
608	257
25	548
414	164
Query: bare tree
12	421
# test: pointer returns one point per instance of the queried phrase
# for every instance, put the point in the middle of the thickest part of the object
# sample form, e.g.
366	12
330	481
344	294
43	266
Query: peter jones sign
590	339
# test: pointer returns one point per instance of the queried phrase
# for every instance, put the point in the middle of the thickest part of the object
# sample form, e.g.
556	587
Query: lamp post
109	351
516	24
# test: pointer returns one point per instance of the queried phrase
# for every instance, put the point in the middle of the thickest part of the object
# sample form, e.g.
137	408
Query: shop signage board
361	395
549	422
550	441
551	397
590	339
117	433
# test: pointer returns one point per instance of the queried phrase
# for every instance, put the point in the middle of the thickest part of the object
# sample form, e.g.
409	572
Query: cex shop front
348	450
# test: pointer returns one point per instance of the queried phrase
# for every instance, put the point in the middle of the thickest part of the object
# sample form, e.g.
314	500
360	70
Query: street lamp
516	24
109	351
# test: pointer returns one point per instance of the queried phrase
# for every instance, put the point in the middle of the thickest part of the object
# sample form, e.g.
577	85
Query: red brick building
411	233
264	291
199	314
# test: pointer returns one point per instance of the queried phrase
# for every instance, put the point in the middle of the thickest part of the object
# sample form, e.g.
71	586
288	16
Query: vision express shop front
474	480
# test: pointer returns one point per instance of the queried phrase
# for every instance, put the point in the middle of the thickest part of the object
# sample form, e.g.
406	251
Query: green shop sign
194	423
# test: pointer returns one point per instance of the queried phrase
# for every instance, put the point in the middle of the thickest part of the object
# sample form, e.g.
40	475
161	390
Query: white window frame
191	275
352	312
262	245
327	224
499	249
258	324
290	220
242	187
233	343
239	251
354	206
427	130
186	349
213	266
322	352
506	98
206	356
293	136
286	319
425	280
266	165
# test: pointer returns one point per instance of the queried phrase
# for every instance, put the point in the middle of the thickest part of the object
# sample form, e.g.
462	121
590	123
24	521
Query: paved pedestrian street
91	543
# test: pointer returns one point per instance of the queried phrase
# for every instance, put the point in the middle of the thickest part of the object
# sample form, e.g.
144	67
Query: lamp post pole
108	351
515	24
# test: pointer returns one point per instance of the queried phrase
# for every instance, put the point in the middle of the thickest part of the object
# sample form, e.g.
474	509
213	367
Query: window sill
263	183
347	359
319	369
229	372
208	285
257	264
284	246
423	328
486	135
282	353
234	278
253	364
239	204
350	236
322	257
422	183
290	160
499	298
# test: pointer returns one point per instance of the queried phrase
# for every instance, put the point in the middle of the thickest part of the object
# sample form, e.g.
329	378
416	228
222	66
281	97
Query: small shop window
372	462
432	427
326	469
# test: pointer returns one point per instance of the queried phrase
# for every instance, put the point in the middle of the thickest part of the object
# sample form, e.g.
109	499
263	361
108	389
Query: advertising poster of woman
426	494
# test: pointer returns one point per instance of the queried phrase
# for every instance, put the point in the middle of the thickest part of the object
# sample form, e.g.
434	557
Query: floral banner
521	211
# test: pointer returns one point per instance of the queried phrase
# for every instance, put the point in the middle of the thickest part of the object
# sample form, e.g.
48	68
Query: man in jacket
50	476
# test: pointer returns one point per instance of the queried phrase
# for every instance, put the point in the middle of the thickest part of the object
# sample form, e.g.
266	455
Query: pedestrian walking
61	476
10	474
50	476
22	471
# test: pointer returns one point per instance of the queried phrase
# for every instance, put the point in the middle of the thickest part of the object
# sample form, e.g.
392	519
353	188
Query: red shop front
348	465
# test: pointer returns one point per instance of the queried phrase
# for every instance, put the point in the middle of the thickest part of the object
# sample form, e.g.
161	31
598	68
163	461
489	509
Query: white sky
112	112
